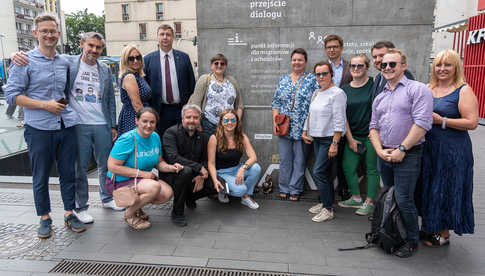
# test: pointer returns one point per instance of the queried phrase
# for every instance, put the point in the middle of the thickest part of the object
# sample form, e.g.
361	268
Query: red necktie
168	82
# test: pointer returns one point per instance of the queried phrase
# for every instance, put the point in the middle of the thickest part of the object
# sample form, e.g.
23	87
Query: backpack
387	228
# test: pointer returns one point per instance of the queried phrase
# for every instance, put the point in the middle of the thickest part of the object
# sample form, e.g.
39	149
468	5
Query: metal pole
3	58
58	7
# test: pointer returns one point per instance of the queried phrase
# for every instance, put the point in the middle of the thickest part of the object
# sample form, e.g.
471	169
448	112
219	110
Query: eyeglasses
357	66
227	120
132	58
217	63
391	64
322	74
333	47
45	31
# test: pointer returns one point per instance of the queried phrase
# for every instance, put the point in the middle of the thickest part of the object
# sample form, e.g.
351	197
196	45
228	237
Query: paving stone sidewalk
278	237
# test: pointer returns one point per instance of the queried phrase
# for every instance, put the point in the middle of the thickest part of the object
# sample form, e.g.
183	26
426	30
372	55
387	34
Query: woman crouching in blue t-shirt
148	150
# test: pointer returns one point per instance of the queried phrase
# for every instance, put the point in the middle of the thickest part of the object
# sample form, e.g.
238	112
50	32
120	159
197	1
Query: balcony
143	36
159	15
126	17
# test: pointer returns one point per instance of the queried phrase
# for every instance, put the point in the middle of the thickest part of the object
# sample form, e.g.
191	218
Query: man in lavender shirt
401	115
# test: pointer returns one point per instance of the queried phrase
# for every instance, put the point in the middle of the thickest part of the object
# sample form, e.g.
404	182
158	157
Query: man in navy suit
170	75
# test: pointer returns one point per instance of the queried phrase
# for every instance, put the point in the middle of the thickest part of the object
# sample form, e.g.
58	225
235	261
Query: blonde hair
452	57
363	57
124	61
399	52
45	17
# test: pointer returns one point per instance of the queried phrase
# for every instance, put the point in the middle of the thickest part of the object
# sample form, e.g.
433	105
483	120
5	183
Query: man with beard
185	145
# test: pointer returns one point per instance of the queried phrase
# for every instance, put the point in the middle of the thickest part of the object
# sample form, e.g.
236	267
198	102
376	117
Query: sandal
294	197
283	196
137	223
268	185
436	240
140	214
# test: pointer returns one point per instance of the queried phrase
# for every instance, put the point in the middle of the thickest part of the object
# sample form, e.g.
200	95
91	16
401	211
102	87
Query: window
159	9
143	31
124	11
28	27
27	12
18	10
18	26
178	29
34	14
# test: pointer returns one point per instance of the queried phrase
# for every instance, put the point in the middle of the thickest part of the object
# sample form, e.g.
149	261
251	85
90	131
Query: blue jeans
251	177
45	147
321	170
208	128
404	176
97	137
292	165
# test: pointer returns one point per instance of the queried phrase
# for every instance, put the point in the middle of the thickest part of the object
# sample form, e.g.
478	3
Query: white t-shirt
327	113
86	95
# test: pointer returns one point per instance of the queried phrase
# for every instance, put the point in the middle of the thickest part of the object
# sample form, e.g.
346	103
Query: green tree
78	23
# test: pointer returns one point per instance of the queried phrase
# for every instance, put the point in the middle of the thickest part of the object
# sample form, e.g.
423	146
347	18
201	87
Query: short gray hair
191	107
85	36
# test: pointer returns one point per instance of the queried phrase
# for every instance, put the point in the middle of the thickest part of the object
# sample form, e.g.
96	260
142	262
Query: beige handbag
126	196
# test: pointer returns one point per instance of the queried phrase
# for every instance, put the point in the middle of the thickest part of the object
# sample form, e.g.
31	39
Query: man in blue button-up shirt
41	88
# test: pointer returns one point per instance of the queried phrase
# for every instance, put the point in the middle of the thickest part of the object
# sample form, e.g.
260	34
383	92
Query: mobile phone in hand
62	101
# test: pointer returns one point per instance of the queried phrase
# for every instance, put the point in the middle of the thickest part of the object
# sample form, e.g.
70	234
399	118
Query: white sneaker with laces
248	201
112	205
315	209
324	215
222	197
84	217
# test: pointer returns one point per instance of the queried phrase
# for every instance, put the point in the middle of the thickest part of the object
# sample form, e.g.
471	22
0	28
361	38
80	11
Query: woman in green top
359	109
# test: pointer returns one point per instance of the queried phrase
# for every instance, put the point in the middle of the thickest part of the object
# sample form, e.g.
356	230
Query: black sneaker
191	204
179	220
407	250
45	228
73	223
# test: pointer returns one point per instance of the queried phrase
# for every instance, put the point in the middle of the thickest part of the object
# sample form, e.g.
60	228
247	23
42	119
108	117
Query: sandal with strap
436	240
268	185
140	214
294	197
283	196
137	223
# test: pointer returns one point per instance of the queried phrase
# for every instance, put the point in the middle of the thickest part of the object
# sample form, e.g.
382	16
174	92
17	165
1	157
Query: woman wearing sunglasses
447	198
216	92
135	92
225	150
358	146
324	127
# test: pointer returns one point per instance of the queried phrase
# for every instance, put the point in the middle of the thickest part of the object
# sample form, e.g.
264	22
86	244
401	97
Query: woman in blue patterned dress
448	157
291	148
135	92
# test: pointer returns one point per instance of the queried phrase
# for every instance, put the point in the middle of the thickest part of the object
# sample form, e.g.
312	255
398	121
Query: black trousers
169	116
183	186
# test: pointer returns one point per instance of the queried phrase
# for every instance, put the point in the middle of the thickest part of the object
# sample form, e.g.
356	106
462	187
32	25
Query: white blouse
327	113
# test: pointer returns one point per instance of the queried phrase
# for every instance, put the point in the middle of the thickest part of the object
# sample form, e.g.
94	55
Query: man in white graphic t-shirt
97	110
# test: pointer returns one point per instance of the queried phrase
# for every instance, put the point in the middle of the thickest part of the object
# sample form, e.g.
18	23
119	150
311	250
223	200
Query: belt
413	149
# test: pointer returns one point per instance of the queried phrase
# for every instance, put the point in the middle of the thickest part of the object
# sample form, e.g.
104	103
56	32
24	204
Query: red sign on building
474	61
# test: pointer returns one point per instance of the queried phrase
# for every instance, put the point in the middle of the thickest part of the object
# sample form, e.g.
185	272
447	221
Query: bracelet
246	166
137	173
443	123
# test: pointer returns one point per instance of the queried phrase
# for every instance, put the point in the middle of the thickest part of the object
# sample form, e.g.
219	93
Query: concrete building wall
258	37
448	12
120	33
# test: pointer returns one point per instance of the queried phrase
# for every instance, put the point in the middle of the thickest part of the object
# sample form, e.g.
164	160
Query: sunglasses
131	58
217	63
227	120
391	64
322	74
332	47
357	66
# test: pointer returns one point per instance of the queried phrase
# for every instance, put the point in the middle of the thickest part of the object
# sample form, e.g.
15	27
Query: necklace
219	80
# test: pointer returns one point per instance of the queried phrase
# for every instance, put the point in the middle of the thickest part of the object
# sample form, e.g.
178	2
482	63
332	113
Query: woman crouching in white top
324	126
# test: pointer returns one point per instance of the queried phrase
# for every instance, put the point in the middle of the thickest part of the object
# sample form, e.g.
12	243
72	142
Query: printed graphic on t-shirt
90	97
79	95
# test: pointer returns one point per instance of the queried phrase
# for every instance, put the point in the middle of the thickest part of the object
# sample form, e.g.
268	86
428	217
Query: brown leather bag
126	196
282	121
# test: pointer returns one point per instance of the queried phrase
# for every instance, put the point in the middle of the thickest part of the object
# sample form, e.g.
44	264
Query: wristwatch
334	143
402	148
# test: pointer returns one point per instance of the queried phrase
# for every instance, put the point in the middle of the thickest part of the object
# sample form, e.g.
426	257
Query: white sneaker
84	217
223	198
316	208
248	201
324	215
112	205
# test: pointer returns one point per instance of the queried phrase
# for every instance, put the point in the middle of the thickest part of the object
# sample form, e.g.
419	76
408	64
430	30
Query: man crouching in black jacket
185	145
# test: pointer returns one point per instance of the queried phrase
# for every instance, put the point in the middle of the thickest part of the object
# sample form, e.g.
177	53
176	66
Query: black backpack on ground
387	228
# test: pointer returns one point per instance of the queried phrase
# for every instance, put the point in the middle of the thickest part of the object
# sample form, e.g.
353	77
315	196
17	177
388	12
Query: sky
93	6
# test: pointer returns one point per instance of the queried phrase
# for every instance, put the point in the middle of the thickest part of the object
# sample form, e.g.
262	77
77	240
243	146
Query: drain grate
115	269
